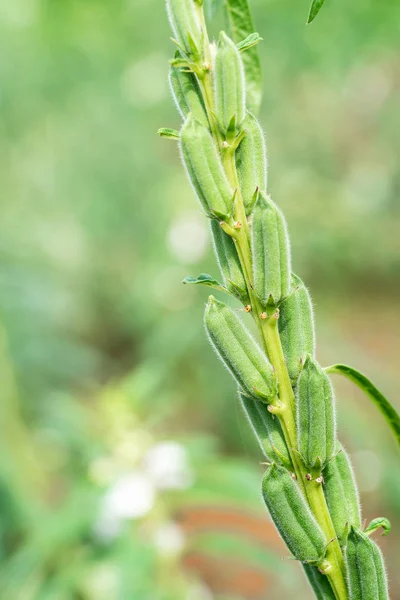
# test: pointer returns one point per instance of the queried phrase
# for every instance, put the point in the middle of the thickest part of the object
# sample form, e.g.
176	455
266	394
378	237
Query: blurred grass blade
314	10
389	412
211	7
241	24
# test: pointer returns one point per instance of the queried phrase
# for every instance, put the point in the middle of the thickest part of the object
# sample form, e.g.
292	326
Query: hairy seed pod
271	252
187	95
228	259
365	568
341	492
239	352
251	161
319	583
296	327
267	429
204	168
230	86
292	516
316	423
185	23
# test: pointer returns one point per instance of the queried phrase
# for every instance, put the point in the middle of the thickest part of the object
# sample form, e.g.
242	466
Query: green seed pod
291	515
239	352
187	95
228	260
267	429
271	252
341	492
204	168
296	327
251	161
316	423
319	583
365	568
230	86
185	23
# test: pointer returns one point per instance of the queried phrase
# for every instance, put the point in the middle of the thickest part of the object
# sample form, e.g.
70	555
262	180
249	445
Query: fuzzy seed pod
296	327
365	568
230	86
228	260
185	23
204	168
341	492
319	583
267	429
251	161
187	95
291	515
239	352
271	252
316	423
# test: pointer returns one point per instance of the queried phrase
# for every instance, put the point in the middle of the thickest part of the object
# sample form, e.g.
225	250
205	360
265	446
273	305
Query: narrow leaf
211	7
379	522
241	25
389	412
171	134
205	279
314	10
249	42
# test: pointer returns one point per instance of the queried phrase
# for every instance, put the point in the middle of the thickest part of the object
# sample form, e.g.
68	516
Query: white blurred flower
188	237
131	496
199	591
167	465
169	539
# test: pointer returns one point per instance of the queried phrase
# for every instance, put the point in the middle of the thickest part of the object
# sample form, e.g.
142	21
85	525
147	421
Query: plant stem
268	327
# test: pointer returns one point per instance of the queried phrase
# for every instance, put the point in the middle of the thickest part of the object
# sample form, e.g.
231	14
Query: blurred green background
126	468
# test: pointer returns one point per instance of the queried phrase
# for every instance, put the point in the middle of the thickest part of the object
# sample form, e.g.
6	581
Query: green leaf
170	134
389	412
314	10
379	522
205	279
241	25
211	7
249	42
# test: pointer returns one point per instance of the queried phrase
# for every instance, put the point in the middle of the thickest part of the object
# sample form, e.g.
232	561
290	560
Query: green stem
312	490
268	328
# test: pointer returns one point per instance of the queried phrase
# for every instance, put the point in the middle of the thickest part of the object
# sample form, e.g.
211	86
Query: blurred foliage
102	351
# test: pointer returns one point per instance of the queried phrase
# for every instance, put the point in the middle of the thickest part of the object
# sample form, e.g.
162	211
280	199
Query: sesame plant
286	395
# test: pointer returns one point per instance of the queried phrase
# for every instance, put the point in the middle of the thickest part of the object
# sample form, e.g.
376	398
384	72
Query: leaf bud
187	95
296	327
230	86
271	252
239	351
341	492
203	165
185	24
251	161
316	422
365	568
267	429
292	516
